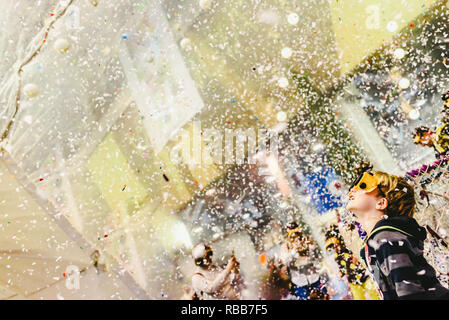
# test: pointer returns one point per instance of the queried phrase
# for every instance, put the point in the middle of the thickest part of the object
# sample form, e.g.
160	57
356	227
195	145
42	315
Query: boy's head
376	191
202	255
333	238
423	136
297	237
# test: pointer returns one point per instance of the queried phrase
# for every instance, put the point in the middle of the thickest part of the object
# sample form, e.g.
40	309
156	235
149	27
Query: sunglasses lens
363	186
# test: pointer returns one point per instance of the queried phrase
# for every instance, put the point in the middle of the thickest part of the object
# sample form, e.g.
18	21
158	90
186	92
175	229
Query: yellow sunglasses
366	182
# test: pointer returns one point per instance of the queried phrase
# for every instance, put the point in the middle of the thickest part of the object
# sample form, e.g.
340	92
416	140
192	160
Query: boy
393	250
439	140
211	282
296	254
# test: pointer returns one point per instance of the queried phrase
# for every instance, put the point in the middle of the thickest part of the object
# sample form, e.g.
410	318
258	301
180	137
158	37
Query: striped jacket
393	252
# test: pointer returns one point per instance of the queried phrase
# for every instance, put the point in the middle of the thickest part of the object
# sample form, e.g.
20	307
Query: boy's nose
352	192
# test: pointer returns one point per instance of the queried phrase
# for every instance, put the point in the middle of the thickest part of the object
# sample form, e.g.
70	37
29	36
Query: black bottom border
258	309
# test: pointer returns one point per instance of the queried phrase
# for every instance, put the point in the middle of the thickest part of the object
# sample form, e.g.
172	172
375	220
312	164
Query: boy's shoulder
396	232
388	234
388	238
399	227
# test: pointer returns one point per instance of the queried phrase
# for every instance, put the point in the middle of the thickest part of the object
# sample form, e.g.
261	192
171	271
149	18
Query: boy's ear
382	204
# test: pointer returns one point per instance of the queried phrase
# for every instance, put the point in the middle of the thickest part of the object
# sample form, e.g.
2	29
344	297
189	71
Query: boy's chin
349	207
352	209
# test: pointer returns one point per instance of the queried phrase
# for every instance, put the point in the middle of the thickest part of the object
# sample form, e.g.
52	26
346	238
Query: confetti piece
165	177
263	258
124	187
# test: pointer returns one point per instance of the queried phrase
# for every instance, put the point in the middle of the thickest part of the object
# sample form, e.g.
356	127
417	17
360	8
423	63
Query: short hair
200	252
399	194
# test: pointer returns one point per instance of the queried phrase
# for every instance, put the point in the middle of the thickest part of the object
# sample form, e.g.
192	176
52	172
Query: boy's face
361	202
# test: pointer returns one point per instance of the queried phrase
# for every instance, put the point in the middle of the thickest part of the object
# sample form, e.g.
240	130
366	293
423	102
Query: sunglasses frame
360	177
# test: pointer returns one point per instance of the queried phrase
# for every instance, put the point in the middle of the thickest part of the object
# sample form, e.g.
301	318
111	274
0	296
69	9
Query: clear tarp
99	98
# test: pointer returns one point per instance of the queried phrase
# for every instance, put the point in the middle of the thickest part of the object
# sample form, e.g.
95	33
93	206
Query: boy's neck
370	220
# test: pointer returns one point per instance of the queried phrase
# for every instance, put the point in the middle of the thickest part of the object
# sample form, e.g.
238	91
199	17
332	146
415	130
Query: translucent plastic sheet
69	75
94	92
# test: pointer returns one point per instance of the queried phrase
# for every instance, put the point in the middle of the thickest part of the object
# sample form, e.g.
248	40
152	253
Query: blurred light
283	82
282	116
413	114
205	4
62	45
404	83
392	26
181	235
399	53
286	53
31	90
293	18
186	44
